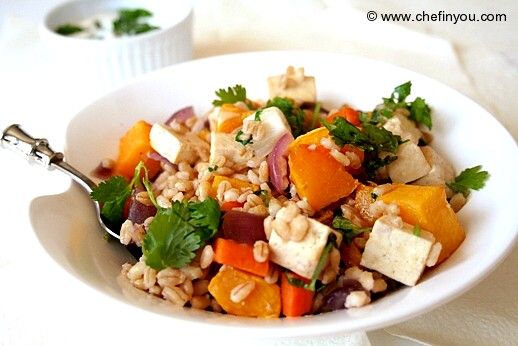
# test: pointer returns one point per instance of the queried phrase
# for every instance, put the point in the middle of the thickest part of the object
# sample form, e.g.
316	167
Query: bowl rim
284	329
48	31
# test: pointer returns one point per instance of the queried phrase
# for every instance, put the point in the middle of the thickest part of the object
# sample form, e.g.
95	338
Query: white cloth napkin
485	315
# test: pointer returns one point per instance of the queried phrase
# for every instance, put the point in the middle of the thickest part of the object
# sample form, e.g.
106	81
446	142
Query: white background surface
41	304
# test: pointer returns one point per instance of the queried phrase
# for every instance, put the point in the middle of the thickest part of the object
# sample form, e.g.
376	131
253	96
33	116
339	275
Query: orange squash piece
312	137
231	117
134	147
296	301
264	300
235	183
318	177
239	255
427	207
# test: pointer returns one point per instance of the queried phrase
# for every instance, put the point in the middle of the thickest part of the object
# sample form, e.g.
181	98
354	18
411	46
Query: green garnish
374	196
293	114
469	179
231	95
265	196
246	141
372	139
213	168
129	22
348	229
417	230
258	115
177	232
419	111
68	29
113	193
316	115
98	24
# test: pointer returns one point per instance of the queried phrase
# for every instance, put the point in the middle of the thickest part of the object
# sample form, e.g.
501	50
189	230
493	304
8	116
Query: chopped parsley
348	229
265	196
419	111
113	193
469	179
371	139
68	29
239	138
177	232
130	22
293	114
213	168
230	95
257	116
416	231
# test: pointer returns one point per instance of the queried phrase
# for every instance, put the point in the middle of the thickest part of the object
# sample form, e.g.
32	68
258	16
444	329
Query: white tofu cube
410	164
275	126
300	257
176	147
294	85
224	144
395	251
405	128
441	171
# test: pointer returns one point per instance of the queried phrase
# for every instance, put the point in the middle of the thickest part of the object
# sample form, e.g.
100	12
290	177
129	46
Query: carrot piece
134	147
240	256
350	114
228	206
296	301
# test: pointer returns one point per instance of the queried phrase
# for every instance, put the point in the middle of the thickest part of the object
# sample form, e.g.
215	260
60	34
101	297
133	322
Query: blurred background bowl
107	63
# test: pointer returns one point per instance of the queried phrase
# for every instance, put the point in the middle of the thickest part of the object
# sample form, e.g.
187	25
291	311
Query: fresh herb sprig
68	29
113	193
230	95
469	179
130	22
177	232
416	230
348	229
419	110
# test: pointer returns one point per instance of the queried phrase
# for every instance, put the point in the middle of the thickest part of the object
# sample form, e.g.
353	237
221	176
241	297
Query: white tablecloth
33	311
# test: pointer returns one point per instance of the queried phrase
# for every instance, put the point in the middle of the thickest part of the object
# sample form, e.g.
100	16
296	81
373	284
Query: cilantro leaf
257	116
469	179
177	232
112	195
244	141
348	229
68	29
416	230
401	92
420	112
129	22
293	114
231	95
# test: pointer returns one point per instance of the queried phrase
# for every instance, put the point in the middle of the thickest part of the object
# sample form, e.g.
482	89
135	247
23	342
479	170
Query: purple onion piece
157	157
277	163
139	212
243	227
335	300
181	115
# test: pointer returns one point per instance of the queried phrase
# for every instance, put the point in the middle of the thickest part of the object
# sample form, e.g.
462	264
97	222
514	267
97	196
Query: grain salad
283	208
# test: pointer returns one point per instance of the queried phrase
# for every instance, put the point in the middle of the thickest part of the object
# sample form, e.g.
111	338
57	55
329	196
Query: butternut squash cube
427	207
264	300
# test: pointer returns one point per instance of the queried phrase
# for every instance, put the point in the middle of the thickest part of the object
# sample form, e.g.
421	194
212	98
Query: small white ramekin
111	62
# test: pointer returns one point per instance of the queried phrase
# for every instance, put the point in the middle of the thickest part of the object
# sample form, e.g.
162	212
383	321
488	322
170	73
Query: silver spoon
38	150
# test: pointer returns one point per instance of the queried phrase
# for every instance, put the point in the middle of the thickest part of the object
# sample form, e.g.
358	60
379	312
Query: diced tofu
441	172
294	85
176	147
410	164
395	251
300	257
275	126
405	128
224	144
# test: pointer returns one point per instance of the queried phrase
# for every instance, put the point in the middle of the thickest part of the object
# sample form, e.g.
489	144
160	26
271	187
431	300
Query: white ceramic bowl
489	218
110	62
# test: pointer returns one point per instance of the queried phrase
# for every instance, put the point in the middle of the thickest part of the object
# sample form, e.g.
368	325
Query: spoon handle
38	150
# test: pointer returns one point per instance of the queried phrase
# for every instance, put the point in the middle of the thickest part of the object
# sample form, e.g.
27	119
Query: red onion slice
157	157
243	227
181	115
278	164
